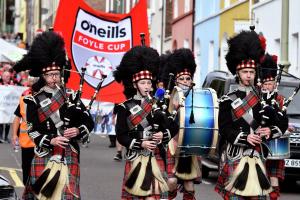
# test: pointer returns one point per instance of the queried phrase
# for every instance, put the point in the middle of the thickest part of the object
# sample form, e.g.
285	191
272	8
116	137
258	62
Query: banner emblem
99	45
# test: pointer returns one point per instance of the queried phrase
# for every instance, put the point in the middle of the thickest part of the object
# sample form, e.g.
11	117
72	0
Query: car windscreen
294	107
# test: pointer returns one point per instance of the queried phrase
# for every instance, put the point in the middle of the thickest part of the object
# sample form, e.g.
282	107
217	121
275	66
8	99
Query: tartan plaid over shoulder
138	113
247	103
55	102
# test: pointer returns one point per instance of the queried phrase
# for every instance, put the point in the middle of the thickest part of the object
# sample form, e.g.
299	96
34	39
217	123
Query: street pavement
101	176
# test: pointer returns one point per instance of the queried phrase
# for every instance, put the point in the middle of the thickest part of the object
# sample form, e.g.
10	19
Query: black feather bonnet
140	62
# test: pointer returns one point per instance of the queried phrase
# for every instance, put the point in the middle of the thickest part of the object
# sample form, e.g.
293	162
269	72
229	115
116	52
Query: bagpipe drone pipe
76	105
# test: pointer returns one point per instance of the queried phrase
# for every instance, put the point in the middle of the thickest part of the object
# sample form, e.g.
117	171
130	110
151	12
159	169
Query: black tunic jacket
42	133
132	139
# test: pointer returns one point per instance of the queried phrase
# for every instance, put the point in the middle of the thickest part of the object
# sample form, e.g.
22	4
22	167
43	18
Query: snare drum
199	138
280	148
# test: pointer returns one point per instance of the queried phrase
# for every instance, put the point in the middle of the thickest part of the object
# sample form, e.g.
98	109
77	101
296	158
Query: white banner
102	113
9	101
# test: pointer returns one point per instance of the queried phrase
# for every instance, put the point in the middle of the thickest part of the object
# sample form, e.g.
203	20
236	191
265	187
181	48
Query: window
175	9
218	86
295	51
213	7
152	6
223	52
158	44
197	75
174	46
111	6
127	6
277	47
186	43
107	5
210	56
187	6
160	4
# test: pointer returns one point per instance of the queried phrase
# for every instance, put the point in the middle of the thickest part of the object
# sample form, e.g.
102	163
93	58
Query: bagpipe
76	102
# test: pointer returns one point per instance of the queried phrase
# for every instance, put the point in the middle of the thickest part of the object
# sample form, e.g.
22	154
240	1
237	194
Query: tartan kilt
228	168
170	164
171	167
38	165
275	168
128	165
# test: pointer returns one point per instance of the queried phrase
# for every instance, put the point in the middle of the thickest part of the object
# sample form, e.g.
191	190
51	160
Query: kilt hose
275	168
223	177
128	166
171	164
70	192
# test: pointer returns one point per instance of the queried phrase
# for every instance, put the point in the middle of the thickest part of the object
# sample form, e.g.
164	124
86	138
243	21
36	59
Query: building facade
215	22
156	26
234	17
20	17
182	24
206	38
269	24
160	25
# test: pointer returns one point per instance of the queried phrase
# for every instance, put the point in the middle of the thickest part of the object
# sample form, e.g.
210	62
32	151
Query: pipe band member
54	123
185	169
142	131
268	73
241	126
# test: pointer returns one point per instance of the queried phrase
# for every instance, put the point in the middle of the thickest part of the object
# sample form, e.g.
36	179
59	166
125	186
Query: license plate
292	163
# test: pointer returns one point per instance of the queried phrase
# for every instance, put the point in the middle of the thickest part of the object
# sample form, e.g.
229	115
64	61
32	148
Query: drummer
183	170
275	168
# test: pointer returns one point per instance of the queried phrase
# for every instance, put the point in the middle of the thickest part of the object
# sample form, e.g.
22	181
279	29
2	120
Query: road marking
16	179
9	168
13	174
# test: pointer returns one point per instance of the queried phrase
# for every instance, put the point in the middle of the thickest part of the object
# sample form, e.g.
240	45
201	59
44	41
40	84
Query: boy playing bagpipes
243	125
143	131
55	120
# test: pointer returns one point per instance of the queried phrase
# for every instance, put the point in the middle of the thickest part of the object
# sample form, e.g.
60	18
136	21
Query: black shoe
112	146
118	157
